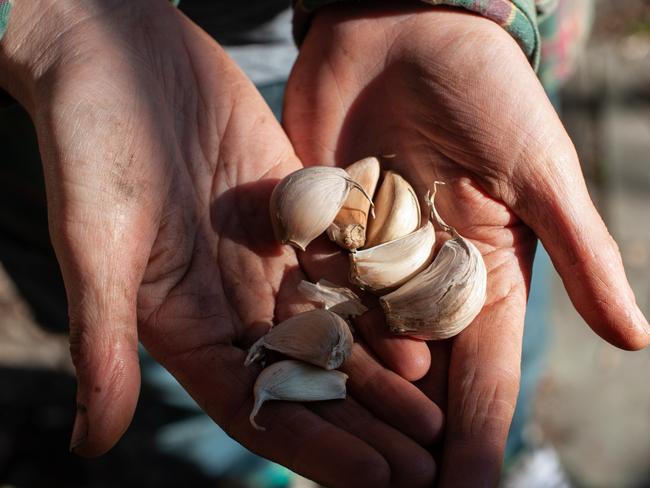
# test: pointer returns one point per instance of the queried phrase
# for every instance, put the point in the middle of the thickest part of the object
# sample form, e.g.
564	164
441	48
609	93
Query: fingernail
80	428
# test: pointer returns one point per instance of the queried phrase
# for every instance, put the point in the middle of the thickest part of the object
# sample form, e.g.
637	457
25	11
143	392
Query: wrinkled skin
454	98
159	158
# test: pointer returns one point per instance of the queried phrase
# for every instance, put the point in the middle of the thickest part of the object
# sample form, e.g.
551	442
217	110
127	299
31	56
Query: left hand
453	96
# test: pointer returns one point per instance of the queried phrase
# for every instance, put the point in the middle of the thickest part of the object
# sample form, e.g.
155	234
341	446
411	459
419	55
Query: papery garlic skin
318	337
395	262
340	300
296	381
443	299
349	227
397	211
305	203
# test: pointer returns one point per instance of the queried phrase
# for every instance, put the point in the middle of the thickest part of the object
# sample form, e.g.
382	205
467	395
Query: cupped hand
159	158
454	99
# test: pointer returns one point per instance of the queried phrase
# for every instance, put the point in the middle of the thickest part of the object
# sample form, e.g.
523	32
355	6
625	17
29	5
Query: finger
555	203
101	287
482	392
294	436
408	357
411	465
391	398
434	383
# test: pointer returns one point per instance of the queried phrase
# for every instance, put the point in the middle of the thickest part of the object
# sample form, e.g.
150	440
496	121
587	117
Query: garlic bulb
395	262
340	300
397	211
443	299
306	202
349	227
298	382
319	337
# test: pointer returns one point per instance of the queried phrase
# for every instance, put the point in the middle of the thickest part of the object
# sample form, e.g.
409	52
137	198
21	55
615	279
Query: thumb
555	203
102	295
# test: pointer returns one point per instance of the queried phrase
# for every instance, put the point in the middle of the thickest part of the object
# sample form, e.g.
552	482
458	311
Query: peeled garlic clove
318	337
443	299
306	202
340	300
397	211
393	263
349	227
295	381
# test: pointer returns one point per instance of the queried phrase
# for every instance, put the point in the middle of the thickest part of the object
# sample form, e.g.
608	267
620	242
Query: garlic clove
395	262
340	300
295	381
305	203
318	337
349	227
442	300
397	211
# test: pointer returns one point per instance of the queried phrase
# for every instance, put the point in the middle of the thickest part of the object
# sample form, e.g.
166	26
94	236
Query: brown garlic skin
349	227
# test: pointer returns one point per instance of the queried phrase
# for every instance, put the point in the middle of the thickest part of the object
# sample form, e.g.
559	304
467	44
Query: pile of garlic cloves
392	255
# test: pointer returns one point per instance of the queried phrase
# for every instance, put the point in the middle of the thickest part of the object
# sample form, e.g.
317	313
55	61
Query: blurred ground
593	404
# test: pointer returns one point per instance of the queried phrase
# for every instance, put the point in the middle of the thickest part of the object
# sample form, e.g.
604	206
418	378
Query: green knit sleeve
517	17
5	8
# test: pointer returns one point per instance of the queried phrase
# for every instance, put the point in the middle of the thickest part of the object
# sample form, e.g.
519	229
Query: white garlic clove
318	337
397	211
298	382
442	300
340	300
349	227
393	263
305	203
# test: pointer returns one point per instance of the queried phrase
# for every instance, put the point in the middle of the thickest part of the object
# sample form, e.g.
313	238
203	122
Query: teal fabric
5	8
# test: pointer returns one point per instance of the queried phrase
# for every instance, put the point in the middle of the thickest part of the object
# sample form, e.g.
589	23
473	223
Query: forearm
26	44
41	33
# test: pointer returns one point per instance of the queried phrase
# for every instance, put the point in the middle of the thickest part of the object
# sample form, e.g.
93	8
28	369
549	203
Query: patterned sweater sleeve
517	17
5	8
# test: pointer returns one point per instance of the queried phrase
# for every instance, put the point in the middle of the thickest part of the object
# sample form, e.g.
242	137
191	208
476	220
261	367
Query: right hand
453	96
159	157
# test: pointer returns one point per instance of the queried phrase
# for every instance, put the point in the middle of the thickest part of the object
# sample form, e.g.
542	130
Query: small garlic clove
395	262
349	227
295	381
397	211
442	300
305	203
318	337
340	300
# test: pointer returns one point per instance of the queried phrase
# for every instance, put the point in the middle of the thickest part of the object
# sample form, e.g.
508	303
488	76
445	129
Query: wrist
26	44
42	34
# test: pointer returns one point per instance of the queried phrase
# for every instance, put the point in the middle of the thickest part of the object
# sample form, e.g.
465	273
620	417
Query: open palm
453	98
159	159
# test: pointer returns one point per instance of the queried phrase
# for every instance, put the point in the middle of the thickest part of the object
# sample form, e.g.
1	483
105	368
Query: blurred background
591	413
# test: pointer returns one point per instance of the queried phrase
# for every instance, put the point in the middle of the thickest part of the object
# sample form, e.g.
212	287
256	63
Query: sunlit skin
453	97
159	158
